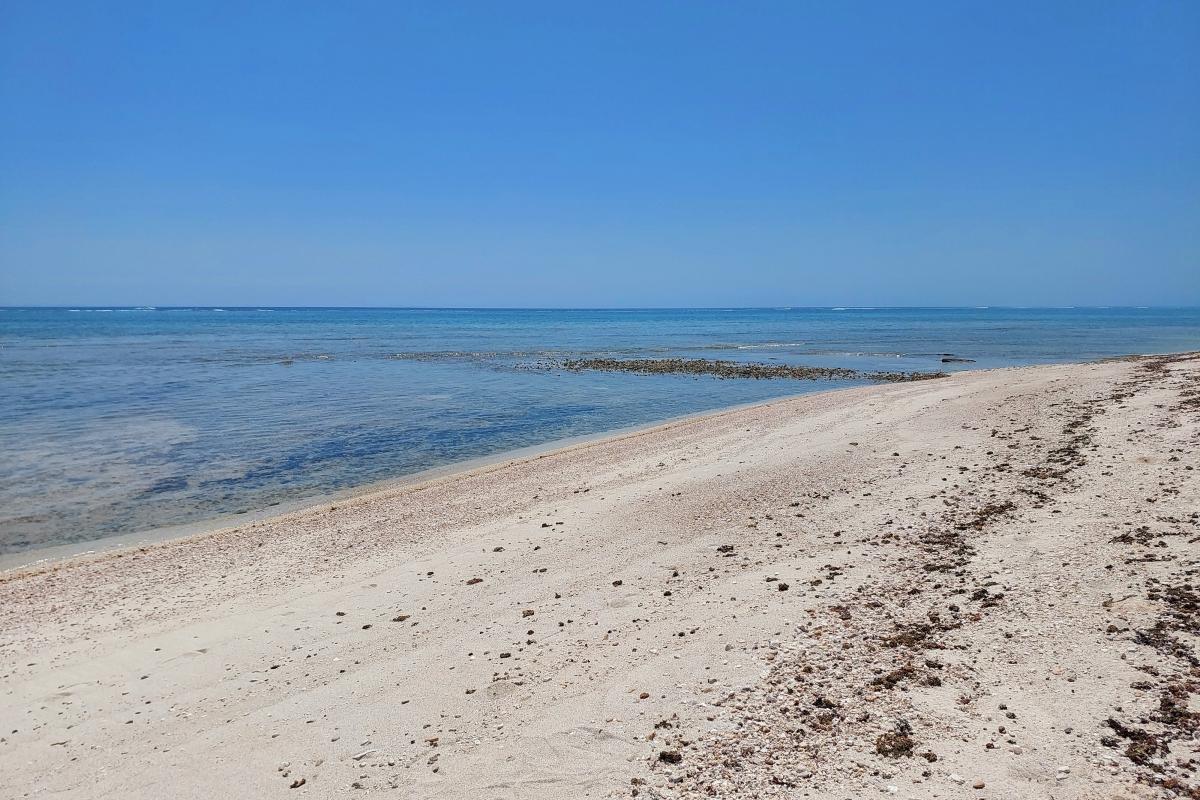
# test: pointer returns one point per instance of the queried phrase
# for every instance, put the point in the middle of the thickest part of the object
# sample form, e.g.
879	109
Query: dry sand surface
979	586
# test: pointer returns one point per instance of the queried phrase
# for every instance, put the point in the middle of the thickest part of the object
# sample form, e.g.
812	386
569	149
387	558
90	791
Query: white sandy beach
977	586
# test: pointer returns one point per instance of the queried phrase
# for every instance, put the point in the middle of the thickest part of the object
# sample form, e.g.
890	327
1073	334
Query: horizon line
775	307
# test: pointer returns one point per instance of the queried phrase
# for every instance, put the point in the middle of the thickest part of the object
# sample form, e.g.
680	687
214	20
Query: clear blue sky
600	154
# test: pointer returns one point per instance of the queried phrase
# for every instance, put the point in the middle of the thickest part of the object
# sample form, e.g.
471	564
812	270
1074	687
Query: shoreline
975	586
48	555
45	556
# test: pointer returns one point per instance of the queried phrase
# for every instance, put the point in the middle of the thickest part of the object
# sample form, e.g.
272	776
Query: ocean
124	420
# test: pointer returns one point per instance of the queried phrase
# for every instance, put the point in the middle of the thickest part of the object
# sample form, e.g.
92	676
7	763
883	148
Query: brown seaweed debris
918	635
899	742
1143	745
897	676
984	515
736	369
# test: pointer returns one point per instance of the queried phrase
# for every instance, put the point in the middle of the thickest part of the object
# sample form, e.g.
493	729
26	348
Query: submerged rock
737	369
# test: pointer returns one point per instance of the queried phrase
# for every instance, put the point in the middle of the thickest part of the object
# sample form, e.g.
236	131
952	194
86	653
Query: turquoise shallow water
122	420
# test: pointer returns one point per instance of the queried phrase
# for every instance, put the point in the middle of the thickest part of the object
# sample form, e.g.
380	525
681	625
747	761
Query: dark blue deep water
122	420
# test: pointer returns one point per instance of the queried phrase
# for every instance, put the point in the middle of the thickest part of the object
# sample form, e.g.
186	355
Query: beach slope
978	586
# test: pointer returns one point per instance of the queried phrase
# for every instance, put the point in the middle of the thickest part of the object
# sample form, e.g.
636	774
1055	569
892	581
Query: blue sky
601	154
